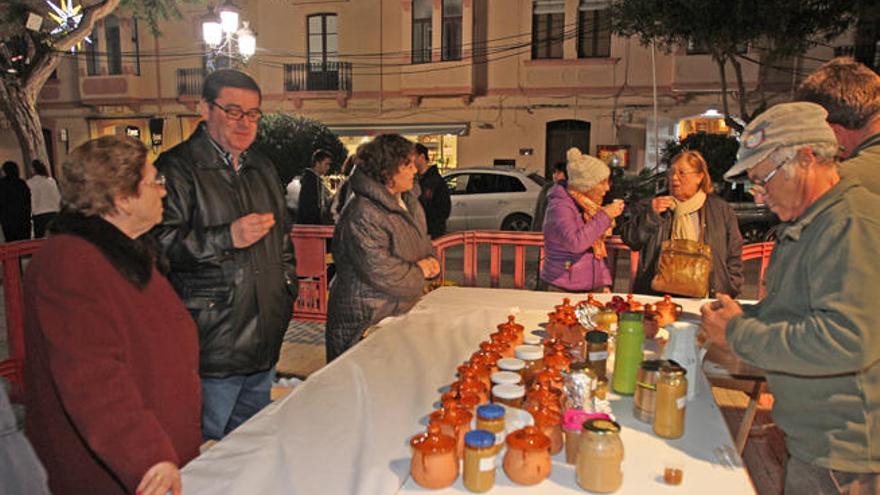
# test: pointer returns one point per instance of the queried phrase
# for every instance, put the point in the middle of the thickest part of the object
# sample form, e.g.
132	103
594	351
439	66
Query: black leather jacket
241	299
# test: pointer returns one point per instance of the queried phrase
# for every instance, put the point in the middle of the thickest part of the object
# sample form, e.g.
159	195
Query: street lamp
224	37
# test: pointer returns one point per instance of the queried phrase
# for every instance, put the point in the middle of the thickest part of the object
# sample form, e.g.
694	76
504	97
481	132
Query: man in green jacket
817	332
850	92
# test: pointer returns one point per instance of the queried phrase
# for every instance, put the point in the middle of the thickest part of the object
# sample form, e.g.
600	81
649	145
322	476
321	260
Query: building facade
481	82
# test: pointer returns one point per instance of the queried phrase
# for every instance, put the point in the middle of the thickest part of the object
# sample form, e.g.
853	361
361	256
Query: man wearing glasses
817	332
225	232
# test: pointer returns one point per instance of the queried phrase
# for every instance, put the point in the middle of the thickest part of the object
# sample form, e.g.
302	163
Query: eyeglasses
158	181
681	173
762	183
234	112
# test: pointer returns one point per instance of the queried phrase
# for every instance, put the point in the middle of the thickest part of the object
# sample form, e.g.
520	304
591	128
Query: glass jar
454	420
600	457
645	397
572	426
607	320
670	403
597	352
509	395
601	391
479	461
490	417
628	352
506	378
533	360
527	461
434	463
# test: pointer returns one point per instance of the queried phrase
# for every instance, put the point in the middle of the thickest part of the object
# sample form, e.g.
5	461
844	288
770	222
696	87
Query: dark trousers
17	231
41	223
803	478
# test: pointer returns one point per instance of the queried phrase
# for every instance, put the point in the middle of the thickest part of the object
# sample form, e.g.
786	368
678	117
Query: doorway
562	135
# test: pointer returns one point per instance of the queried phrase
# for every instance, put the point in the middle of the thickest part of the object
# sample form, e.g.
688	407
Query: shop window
421	31
135	46
594	28
451	29
114	45
548	28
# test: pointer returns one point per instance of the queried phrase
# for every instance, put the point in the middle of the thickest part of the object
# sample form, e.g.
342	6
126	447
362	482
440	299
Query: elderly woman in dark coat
112	387
381	246
690	207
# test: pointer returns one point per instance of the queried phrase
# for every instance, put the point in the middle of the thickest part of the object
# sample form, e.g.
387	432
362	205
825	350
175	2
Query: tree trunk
743	95
721	61
20	109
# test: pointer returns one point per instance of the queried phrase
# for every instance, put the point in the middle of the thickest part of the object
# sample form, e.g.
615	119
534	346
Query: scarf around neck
590	209
682	225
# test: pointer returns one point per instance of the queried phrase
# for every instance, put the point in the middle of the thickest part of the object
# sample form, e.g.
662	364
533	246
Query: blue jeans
229	402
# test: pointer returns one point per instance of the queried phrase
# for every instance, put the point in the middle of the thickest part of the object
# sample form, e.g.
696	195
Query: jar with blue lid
479	460
490	417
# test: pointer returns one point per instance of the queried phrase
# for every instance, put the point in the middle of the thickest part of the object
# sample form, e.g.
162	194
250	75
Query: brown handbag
683	267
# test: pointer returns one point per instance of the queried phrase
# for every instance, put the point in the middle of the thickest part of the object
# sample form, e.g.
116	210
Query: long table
346	429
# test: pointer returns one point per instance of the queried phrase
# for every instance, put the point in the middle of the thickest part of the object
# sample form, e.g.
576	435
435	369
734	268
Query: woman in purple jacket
575	227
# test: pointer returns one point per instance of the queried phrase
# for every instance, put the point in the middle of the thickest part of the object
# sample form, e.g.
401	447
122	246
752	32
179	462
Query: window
114	45
93	62
457	184
451	29
548	28
594	28
135	46
700	48
421	31
322	41
484	184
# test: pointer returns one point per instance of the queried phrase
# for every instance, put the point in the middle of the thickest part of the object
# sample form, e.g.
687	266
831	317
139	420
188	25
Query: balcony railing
189	81
329	76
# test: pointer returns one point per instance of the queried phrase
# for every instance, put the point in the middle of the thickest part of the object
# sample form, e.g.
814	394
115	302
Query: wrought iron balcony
329	76
189	81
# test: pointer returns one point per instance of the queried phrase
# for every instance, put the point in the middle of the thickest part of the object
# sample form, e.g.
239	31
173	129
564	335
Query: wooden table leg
745	427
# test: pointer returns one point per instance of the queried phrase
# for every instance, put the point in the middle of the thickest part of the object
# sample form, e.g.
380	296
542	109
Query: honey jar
600	457
670	402
533	359
490	417
509	395
479	461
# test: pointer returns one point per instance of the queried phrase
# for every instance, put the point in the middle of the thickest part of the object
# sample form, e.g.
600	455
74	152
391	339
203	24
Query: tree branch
48	62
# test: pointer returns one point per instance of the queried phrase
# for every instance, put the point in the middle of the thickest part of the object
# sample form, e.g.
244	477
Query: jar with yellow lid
670	402
600	457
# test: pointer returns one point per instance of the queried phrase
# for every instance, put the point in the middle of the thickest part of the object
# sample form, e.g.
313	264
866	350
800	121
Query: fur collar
132	258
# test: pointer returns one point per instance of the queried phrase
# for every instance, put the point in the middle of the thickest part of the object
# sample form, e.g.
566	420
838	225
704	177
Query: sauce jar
670	402
527	461
644	399
600	456
550	424
572	426
434	463
509	395
490	417
597	352
479	461
506	378
454	420
533	359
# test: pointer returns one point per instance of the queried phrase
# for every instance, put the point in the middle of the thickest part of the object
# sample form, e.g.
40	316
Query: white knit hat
585	171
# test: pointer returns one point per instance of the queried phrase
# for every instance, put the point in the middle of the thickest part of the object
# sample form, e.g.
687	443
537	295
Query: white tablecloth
346	429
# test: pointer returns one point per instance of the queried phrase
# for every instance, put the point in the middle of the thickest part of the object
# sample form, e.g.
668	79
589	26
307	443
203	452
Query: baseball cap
787	124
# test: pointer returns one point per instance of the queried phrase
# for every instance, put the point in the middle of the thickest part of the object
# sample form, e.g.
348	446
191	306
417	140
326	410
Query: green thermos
628	353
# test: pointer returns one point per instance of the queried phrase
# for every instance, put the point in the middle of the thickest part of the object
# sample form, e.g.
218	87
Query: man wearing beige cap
850	92
817	332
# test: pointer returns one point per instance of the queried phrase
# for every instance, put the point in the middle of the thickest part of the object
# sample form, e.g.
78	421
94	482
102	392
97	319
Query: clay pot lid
547	375
432	441
452	412
592	301
557	361
527	439
511	324
544	416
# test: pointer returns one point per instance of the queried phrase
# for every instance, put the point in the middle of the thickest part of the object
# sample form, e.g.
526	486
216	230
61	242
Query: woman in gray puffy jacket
381	246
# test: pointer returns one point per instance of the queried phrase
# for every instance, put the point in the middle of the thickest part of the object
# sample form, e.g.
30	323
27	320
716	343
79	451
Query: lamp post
224	37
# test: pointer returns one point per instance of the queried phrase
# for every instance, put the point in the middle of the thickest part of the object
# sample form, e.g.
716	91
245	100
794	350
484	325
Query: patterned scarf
590	208
682	225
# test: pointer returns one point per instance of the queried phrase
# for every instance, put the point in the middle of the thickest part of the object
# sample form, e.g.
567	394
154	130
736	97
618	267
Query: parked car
487	198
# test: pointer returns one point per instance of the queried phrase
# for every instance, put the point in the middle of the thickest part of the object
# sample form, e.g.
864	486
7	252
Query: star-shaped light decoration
68	17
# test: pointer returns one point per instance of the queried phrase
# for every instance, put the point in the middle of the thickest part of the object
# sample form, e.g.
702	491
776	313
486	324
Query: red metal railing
312	259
